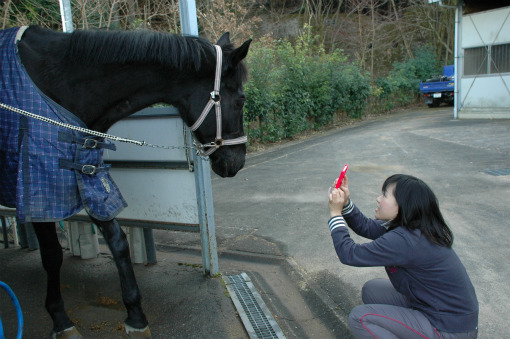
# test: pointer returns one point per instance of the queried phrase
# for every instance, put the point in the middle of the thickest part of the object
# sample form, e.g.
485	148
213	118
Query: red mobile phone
341	177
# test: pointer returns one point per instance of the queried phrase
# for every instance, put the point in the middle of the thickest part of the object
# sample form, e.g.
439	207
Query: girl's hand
338	198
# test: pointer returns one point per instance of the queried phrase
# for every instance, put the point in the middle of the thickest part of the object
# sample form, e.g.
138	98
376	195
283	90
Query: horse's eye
240	101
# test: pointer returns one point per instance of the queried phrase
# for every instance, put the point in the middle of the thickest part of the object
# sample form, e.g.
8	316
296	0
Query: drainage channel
257	320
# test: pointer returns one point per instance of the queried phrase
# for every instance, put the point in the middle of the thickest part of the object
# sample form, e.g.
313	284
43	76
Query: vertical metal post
4	231
14	226
150	247
189	26
206	215
67	16
457	62
27	236
188	16
136	242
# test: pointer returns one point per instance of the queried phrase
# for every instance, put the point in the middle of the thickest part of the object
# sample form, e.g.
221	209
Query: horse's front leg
51	257
136	322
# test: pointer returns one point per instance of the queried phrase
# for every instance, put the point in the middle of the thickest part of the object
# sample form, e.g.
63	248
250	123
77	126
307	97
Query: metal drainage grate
257	319
498	172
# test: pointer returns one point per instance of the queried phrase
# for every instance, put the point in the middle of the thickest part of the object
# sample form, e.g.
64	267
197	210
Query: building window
500	58
476	60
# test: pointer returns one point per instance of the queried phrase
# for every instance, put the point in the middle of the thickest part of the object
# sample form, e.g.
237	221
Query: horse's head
228	154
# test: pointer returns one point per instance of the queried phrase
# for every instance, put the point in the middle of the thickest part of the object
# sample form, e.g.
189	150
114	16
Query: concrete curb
332	316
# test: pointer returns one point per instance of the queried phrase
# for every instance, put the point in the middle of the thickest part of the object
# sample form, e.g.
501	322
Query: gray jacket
432	277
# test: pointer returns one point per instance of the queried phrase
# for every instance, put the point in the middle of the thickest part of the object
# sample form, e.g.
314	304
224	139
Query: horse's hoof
138	333
68	333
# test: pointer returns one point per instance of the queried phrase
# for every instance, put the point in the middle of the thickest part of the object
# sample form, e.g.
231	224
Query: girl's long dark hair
418	208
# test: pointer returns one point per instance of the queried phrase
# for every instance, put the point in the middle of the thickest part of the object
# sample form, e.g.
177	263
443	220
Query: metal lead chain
88	131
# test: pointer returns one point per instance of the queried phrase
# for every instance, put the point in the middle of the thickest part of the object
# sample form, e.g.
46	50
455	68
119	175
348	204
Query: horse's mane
121	47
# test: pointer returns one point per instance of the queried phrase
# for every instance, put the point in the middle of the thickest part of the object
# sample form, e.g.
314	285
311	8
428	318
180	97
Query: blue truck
439	89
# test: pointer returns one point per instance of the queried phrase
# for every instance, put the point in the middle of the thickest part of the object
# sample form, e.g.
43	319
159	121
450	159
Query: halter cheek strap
215	99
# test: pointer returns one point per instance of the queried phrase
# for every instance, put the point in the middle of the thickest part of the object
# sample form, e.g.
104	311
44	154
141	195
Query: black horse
102	77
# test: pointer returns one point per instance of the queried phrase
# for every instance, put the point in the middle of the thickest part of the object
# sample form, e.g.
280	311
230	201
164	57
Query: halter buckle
215	96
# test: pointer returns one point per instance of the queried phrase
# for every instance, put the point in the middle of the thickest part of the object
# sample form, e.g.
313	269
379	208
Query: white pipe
457	63
445	6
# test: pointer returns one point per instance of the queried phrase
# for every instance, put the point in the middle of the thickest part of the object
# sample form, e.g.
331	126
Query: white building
482	62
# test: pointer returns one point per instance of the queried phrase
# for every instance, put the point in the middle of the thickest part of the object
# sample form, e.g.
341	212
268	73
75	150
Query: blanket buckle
90	143
88	169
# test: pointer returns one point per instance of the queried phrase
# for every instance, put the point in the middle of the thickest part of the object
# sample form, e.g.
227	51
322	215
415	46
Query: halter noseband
215	99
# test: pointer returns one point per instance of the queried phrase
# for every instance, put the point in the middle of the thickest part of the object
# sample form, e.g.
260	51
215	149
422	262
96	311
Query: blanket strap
88	141
85	169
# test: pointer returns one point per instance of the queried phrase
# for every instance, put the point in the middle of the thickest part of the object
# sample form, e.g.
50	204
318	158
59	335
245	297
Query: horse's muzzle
228	160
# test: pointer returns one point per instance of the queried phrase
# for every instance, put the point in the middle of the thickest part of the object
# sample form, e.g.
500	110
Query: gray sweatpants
386	314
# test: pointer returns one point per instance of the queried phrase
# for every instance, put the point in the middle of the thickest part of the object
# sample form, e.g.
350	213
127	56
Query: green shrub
296	88
402	86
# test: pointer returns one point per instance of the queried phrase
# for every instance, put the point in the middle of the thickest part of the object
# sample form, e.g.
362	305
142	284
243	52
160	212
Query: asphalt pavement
271	223
281	196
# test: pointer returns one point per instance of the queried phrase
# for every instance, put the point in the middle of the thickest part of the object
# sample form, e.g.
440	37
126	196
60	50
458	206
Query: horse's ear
224	40
240	53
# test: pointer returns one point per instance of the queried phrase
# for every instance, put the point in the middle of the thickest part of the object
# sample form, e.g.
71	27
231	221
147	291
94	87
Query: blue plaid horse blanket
47	172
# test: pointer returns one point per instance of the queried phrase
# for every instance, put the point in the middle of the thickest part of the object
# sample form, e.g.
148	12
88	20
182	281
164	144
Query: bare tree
162	15
398	23
5	8
320	14
433	25
220	16
19	13
380	32
375	32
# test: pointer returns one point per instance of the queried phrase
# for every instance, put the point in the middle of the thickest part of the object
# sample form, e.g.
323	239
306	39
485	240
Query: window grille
475	61
500	55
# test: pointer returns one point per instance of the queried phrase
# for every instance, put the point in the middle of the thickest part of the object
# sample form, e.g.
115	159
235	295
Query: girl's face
387	207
